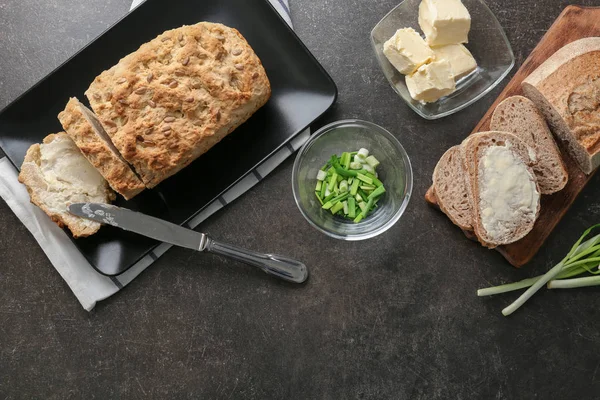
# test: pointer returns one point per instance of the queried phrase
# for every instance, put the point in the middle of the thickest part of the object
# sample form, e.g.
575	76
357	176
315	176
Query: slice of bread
56	175
505	193
519	116
566	89
452	188
95	144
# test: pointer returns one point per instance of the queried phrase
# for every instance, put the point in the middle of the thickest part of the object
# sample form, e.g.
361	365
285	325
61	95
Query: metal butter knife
279	266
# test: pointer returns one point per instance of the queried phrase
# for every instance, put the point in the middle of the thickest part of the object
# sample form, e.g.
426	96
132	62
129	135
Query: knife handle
279	266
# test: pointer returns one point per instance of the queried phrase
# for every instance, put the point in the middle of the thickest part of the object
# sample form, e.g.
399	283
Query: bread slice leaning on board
178	95
57	174
566	89
519	116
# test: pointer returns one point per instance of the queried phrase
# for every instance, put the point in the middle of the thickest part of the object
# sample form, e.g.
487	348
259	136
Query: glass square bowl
487	42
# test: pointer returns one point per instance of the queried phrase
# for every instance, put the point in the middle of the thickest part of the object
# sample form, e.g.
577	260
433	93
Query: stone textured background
394	317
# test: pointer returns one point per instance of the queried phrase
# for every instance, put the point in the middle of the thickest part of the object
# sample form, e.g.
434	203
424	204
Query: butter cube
407	51
460	58
431	81
444	22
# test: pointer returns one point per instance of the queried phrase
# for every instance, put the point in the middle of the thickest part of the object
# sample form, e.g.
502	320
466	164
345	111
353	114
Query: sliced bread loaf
89	135
566	89
519	116
56	175
505	193
178	95
452	188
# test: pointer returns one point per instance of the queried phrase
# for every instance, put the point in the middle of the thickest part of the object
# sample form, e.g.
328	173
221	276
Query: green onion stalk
584	257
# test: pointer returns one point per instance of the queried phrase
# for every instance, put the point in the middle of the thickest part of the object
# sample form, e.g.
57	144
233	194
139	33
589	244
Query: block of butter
460	58
431	81
407	51
444	21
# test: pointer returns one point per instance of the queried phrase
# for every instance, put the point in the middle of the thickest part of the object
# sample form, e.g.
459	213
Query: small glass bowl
487	42
394	171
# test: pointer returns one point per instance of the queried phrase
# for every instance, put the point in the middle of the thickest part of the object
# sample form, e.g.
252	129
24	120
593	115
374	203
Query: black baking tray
301	91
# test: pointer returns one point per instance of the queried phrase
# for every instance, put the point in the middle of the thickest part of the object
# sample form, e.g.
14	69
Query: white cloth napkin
88	285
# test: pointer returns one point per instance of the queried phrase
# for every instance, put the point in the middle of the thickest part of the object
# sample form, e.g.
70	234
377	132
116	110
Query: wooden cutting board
573	23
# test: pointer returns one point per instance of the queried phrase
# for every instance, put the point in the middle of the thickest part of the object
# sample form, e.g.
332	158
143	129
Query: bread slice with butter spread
519	116
505	193
56	175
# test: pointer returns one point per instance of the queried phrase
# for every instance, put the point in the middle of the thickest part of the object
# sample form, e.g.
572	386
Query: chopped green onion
332	181
323	190
337	207
365	179
318	198
351	207
343	186
347	158
348	186
362	205
354	188
377	192
372	161
368	168
363	195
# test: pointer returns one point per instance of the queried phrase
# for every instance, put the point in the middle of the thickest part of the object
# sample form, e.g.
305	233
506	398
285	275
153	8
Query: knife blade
142	224
279	266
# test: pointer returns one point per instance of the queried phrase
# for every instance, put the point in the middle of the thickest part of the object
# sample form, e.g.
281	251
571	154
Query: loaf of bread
178	95
86	131
566	88
452	190
504	191
519	116
56	175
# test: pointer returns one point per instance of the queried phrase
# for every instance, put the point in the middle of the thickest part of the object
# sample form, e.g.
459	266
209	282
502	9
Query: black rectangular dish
301	92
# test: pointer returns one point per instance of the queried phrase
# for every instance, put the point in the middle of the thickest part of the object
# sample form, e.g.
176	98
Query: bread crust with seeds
170	101
81	125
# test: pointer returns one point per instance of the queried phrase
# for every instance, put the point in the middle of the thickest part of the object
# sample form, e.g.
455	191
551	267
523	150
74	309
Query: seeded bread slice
56	174
452	188
519	116
89	135
178	95
566	89
522	219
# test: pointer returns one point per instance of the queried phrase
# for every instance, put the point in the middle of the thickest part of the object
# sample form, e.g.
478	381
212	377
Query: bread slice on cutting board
451	187
505	193
519	116
56	175
566	89
88	134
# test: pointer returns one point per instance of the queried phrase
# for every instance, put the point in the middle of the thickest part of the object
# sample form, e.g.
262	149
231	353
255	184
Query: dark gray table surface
393	317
